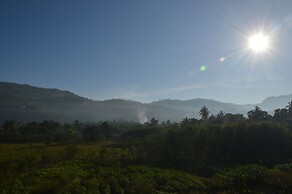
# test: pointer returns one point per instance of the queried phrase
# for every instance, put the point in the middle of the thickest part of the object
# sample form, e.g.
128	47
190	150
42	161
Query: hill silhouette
25	103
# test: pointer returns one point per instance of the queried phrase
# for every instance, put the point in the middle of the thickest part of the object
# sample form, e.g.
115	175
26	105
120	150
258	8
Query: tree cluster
50	131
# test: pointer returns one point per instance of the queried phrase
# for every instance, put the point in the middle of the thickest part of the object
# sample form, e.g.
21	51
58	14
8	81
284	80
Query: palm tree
204	112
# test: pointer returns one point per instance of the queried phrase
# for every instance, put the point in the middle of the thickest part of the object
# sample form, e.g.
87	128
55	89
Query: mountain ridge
26	103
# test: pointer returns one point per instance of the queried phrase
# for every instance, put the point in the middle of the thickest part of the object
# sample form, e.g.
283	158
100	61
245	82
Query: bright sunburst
259	42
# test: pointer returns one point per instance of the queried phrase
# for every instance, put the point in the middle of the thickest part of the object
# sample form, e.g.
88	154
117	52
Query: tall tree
93	133
257	114
9	130
280	114
107	130
153	122
289	107
220	115
204	112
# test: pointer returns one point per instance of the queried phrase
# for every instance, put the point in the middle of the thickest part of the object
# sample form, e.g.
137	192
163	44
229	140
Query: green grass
91	168
21	151
108	167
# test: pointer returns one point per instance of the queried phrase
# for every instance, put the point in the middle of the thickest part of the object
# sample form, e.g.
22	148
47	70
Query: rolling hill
25	103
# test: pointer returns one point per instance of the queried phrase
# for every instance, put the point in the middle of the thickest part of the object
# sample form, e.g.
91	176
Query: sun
259	42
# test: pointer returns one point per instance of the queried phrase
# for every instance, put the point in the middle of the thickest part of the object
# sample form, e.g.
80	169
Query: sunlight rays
253	48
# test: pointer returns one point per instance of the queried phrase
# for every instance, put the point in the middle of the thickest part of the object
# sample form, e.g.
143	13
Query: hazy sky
148	50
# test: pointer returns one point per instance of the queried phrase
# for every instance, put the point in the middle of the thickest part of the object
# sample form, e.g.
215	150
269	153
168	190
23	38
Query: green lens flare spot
203	68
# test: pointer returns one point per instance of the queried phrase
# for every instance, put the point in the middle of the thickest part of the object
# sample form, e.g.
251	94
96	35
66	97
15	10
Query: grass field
109	167
83	168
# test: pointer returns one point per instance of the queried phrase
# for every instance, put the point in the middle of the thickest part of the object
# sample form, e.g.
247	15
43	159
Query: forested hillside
24	103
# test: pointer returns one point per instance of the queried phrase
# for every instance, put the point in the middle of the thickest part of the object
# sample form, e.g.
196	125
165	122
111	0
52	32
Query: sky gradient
148	50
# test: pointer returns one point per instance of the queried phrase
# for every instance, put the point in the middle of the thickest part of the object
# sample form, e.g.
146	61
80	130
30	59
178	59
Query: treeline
224	140
50	131
199	146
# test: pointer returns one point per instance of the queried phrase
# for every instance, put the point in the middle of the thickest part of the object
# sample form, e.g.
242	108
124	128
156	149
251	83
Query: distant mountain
25	103
272	103
192	107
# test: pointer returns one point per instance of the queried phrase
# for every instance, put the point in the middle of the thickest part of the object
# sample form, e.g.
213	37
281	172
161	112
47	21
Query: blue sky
148	50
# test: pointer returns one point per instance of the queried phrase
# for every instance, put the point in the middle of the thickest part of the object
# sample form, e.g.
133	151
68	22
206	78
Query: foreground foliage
78	169
77	177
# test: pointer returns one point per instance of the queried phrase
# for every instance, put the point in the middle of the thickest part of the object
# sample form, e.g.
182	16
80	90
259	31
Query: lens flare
222	59
203	68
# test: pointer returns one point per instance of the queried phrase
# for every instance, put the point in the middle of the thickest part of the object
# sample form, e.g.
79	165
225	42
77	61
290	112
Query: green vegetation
222	153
